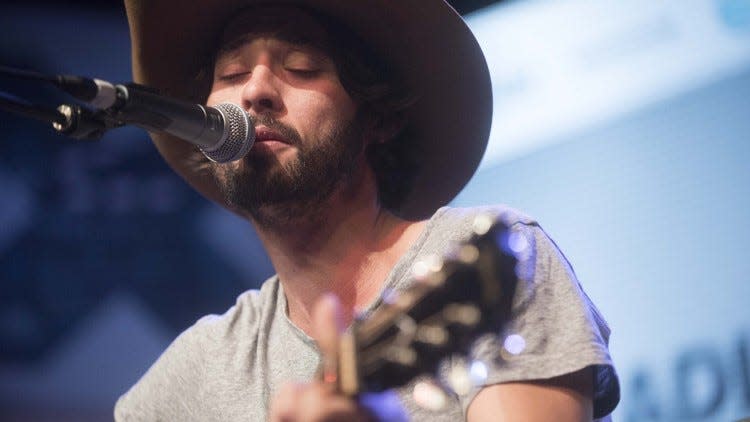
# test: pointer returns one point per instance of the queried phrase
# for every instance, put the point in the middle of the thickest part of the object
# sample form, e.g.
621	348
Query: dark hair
385	97
374	85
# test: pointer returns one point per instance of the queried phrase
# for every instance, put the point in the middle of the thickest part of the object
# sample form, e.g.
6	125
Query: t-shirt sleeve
554	328
167	390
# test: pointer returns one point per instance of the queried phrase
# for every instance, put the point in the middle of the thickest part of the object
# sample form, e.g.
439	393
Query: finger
326	330
284	403
318	403
327	323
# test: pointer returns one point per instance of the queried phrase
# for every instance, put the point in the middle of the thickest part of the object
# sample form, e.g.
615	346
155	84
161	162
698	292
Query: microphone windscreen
239	134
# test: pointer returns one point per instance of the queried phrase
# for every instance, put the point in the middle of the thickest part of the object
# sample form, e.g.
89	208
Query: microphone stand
71	120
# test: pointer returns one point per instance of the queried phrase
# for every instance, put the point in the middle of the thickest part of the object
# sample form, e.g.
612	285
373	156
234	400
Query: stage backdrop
623	128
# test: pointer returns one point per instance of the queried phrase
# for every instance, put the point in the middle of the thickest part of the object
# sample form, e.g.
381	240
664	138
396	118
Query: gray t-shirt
227	367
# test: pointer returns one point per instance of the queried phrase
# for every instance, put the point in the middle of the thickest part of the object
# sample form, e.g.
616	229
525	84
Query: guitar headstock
452	301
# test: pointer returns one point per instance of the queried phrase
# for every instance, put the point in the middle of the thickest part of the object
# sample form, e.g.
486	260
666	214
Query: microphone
223	133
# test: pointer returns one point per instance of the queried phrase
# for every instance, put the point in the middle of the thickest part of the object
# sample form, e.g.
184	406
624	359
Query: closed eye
232	77
303	72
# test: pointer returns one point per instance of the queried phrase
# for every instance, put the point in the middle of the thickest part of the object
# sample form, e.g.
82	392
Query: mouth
266	135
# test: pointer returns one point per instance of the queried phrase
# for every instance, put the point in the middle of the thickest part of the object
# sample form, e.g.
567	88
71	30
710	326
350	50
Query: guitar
451	302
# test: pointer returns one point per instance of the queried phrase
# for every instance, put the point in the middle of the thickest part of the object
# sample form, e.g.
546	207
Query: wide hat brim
427	43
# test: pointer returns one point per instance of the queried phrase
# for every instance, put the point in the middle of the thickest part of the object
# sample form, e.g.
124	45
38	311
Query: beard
275	194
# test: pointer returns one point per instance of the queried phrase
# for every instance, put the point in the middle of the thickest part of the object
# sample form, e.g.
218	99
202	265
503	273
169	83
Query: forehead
285	22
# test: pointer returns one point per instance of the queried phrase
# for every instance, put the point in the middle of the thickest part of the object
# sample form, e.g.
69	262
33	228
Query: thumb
327	326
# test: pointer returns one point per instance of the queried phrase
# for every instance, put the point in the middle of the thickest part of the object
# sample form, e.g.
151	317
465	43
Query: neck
347	248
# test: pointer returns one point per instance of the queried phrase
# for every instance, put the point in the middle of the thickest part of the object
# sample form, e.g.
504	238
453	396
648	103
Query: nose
260	94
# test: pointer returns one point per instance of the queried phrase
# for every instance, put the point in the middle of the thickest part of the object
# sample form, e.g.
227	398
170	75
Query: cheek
330	106
222	95
319	116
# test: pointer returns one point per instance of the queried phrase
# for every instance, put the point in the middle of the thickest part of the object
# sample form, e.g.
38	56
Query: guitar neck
450	302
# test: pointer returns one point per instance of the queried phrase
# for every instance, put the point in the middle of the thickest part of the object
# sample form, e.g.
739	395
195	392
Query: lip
266	135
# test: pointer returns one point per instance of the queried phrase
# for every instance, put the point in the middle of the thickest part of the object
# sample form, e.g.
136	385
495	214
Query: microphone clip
83	124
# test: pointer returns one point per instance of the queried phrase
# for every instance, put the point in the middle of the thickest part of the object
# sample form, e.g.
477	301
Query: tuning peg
426	266
458	378
468	254
434	335
429	395
462	376
399	355
482	224
464	314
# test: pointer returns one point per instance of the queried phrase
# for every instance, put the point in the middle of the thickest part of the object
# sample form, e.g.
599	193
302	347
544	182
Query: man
370	115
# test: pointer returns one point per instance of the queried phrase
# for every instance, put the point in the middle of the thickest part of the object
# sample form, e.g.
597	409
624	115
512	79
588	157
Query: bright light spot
434	263
427	265
478	372
387	405
420	269
468	253
459	380
514	344
390	296
517	242
429	396
482	224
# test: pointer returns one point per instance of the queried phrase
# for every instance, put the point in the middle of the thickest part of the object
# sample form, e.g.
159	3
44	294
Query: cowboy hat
426	41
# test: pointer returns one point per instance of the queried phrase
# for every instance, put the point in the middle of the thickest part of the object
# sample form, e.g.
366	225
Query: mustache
289	133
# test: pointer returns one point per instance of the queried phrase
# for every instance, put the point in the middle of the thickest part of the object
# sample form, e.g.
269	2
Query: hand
315	402
319	400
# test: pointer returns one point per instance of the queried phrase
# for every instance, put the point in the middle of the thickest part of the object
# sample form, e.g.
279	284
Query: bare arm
565	398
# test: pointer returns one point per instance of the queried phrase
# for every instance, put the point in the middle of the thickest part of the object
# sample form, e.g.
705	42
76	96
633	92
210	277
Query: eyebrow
231	49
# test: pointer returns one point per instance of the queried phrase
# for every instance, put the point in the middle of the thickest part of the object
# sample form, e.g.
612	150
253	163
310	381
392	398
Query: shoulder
248	311
172	386
243	319
537	252
555	329
450	226
463	217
